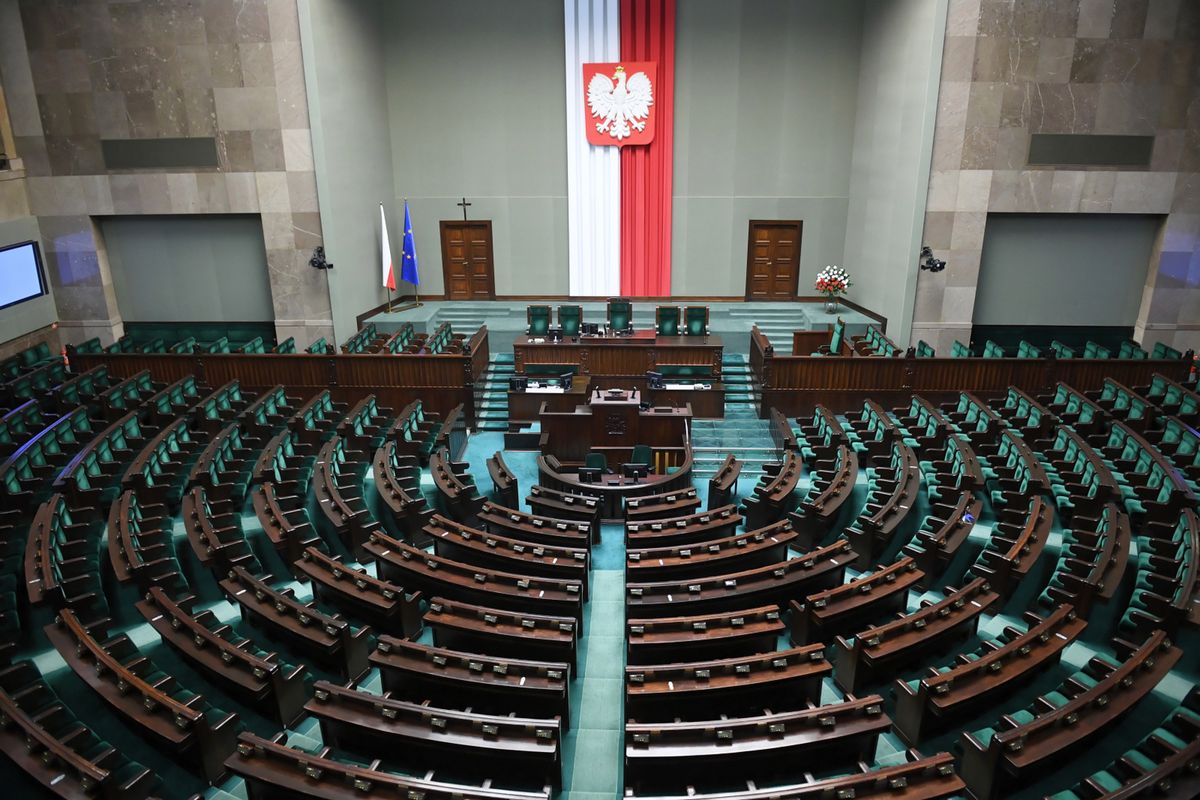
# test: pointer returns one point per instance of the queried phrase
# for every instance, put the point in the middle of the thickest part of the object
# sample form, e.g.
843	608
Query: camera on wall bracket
929	262
318	259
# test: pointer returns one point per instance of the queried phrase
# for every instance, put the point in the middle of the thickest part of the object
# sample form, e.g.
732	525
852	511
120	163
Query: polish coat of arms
620	103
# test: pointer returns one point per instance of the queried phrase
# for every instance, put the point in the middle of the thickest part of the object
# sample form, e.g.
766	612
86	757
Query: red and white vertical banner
648	34
593	34
620	136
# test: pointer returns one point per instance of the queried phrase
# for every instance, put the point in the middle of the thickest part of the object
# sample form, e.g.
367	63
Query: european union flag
408	259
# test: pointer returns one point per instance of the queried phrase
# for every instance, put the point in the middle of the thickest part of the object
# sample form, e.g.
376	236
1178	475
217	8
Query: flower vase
831	305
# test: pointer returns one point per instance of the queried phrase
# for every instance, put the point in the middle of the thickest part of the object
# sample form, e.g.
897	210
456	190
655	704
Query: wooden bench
536	528
841	609
892	494
504	483
149	700
725	635
1093	558
774	496
785	679
285	520
45	740
223	466
337	484
742	551
1014	548
706	526
491	684
755	747
383	604
141	547
917	778
942	533
1060	722
401	507
1163	763
464	626
472	546
251	675
443	577
880	650
62	559
998	668
680	502
457	494
423	736
831	485
722	486
557	504
325	639
214	530
775	583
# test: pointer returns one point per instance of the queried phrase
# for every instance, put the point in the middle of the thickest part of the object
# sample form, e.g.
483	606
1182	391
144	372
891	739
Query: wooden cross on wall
464	205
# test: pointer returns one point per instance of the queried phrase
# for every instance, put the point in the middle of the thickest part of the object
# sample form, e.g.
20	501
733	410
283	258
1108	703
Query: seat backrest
569	319
695	321
539	320
666	320
620	313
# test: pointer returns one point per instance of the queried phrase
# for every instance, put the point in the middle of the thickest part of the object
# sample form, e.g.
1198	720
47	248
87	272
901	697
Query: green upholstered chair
538	318
620	314
317	347
924	349
641	454
569	319
695	321
666	320
594	460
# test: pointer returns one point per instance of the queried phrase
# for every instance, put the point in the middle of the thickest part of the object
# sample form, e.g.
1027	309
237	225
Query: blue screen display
20	274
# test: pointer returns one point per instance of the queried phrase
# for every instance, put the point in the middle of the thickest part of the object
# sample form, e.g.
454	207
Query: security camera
318	259
929	262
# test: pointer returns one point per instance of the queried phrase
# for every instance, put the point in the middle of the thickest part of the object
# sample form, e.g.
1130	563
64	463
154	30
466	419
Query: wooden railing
442	381
796	384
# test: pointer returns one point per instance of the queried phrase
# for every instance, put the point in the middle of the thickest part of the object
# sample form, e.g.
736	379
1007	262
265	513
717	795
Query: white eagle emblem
620	107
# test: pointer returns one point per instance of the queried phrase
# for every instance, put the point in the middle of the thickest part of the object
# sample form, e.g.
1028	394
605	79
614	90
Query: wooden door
467	265
773	260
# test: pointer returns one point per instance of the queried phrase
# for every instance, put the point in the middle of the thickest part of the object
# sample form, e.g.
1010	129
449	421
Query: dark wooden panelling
797	384
442	381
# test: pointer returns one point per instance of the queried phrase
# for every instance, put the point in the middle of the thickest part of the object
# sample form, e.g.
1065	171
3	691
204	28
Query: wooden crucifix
464	205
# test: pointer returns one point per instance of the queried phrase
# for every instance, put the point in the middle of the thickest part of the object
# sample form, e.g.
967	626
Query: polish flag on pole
385	246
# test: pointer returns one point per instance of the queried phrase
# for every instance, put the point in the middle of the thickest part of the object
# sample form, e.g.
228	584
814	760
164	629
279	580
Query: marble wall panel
229	69
1012	68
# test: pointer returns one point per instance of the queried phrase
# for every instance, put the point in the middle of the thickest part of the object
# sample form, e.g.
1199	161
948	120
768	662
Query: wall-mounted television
21	276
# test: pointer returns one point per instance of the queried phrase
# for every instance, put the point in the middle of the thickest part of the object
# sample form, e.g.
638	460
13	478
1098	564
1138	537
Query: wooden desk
524	406
614	423
622	355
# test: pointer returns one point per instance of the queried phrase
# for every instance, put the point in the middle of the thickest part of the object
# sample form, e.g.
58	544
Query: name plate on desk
544	390
687	386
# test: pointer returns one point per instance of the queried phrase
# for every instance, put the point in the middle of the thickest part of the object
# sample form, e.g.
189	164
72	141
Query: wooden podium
612	423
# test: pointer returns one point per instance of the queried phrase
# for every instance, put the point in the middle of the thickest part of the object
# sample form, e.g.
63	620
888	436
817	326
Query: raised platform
731	321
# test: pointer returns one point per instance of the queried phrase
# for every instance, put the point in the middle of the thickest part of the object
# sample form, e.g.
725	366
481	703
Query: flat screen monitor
635	471
21	276
565	380
518	384
654	380
589	475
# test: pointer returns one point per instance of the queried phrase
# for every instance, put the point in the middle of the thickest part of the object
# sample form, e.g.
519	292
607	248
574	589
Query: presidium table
631	355
690	365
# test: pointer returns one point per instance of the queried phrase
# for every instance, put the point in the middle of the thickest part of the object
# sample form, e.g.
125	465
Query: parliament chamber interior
653	399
